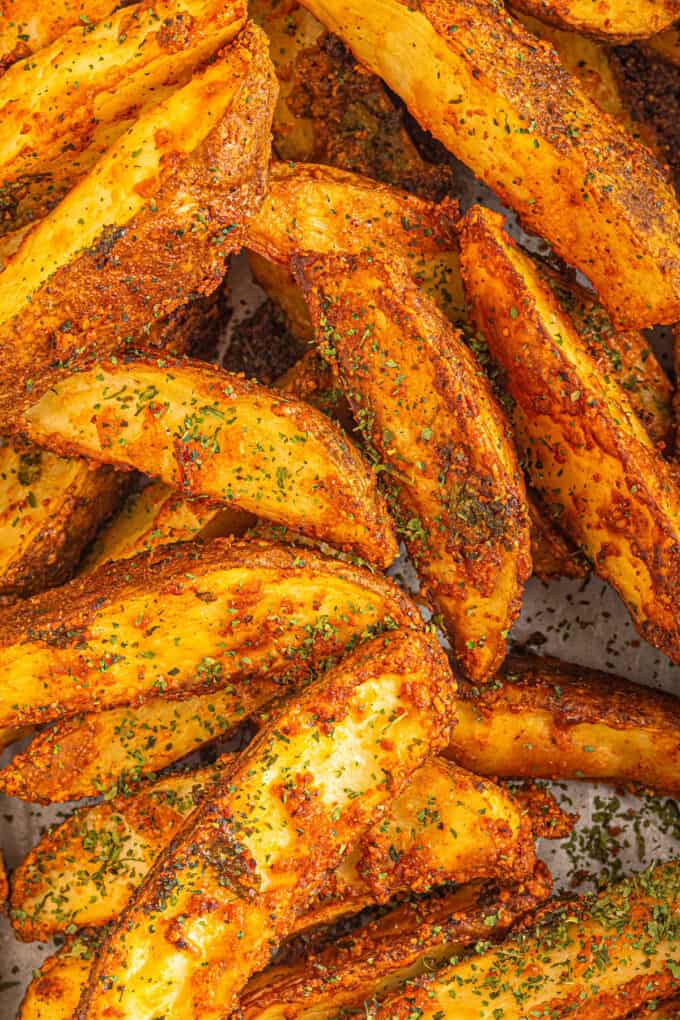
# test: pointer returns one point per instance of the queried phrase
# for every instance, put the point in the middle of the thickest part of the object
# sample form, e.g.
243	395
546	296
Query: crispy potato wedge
178	189
251	857
26	26
669	1010
591	62
446	825
4	885
552	555
111	750
611	20
50	508
546	719
379	957
212	433
666	44
586	451
332	111
56	987
569	170
188	618
428	417
63	109
600	958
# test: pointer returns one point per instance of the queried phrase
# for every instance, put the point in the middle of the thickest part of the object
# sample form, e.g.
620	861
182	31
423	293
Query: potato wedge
63	109
428	417
378	958
110	751
178	188
56	987
571	173
212	433
669	1010
610	20
586	452
186	619
546	719
552	555
26	26
597	959
446	825
251	857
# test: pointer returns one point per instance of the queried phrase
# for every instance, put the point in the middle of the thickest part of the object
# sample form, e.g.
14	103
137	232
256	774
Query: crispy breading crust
596	959
585	450
501	101
446	825
610	20
171	250
63	108
427	414
212	433
187	618
250	859
377	958
547	719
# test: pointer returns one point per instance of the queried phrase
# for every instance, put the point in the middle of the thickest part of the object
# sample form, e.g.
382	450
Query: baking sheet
581	622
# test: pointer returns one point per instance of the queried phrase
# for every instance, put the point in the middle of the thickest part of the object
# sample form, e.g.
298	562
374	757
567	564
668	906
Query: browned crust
457	492
114	291
611	20
57	623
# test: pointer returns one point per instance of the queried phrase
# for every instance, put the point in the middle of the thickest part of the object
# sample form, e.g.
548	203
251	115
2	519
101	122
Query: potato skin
283	600
446	825
252	856
585	450
372	961
213	433
145	266
427	413
600	957
546	719
611	20
503	104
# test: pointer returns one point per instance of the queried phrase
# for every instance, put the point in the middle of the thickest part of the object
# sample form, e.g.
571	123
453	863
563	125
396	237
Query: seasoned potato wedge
669	1010
570	171
105	751
611	20
55	990
599	958
26	26
188	618
50	508
332	111
586	452
446	825
251	857
178	187
212	433
379	957
428	417
63	109
542	718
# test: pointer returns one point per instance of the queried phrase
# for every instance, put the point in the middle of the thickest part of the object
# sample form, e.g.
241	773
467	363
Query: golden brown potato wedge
432	425
446	825
332	111
666	44
50	508
378	958
585	450
111	750
252	856
65	107
668	1010
610	20
95	274
542	718
569	170
595	959
26	26
185	619
213	433
56	987
552	554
